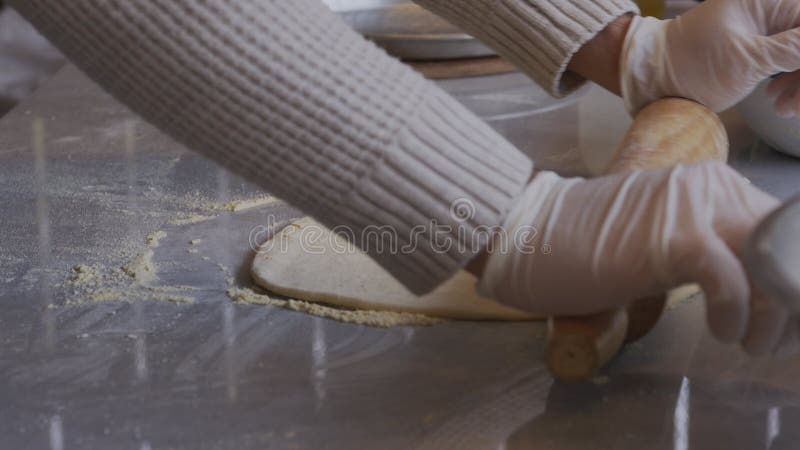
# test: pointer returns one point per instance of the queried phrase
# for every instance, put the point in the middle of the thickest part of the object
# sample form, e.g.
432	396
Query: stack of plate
408	31
758	112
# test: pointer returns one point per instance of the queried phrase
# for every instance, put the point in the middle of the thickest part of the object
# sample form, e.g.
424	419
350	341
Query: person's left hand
715	54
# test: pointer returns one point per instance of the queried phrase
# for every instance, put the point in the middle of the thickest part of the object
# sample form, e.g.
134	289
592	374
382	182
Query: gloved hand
715	54
583	246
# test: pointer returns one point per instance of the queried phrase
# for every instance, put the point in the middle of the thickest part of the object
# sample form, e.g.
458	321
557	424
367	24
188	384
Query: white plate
781	134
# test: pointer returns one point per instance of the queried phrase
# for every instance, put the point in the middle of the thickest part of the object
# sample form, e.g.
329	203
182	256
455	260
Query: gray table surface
146	374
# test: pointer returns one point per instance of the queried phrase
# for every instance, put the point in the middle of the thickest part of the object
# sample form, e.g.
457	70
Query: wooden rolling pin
667	132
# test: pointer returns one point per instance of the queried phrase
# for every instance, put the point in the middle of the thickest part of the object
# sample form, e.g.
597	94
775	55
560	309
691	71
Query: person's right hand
715	54
586	246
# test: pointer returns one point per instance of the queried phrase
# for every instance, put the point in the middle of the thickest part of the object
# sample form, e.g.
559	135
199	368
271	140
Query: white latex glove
715	54
585	246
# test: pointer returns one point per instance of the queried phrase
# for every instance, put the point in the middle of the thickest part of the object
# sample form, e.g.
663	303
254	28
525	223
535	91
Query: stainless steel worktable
148	374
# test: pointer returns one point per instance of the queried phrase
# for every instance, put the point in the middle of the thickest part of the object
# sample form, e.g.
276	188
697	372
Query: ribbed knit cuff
538	36
450	178
500	278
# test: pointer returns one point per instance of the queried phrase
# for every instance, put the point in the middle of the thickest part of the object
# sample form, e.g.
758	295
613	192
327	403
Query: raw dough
312	266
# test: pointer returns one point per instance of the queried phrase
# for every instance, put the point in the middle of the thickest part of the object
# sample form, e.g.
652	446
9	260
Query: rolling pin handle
577	347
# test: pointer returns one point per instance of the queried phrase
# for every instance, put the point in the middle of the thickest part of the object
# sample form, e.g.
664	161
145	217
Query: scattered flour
85	275
106	295
118	295
179	288
243	205
154	238
134	281
190	218
382	319
142	268
171	298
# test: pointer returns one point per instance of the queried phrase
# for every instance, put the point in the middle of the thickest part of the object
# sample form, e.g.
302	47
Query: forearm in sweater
284	93
599	59
538	36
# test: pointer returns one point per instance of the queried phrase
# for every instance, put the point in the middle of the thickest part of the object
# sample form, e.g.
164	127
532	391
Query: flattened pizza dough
308	262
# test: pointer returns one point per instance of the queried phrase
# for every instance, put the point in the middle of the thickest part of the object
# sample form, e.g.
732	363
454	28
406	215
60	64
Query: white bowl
781	134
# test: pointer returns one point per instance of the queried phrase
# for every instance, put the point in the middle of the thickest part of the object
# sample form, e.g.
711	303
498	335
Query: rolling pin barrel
667	132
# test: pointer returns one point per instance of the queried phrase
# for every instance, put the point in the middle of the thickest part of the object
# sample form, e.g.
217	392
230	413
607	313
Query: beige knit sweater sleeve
538	36
284	93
